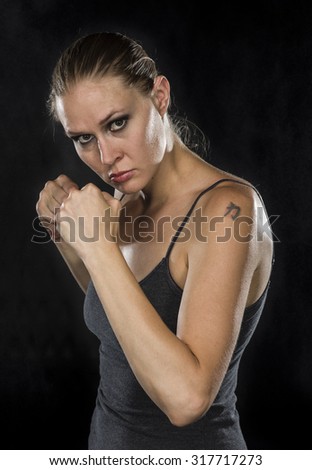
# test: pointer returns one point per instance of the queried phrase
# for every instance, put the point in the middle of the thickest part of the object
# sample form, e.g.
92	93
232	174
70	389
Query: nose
108	152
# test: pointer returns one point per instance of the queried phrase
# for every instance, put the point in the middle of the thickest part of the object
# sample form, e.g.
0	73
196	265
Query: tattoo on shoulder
232	209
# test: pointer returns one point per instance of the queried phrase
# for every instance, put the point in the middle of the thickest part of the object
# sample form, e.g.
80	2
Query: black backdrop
243	75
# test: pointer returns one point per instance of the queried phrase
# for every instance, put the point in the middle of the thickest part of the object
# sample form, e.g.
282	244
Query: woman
175	272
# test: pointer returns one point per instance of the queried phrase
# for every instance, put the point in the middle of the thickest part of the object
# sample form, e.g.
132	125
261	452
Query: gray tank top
124	416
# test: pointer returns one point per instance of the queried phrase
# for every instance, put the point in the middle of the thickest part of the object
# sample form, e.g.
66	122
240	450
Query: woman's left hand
89	218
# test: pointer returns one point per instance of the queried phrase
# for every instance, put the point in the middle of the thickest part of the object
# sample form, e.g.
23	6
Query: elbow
190	411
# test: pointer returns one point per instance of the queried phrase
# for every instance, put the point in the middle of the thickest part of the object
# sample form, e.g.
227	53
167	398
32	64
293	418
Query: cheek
155	137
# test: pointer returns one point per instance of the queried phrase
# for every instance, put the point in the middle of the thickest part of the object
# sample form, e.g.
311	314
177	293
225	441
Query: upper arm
220	270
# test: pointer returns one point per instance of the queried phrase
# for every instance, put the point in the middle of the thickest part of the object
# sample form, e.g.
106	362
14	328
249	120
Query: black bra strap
187	217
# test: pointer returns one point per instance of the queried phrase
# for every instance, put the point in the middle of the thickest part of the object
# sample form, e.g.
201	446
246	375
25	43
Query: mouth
121	176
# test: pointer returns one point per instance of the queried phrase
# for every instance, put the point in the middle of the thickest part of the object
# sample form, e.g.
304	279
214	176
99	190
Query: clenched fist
50	200
88	219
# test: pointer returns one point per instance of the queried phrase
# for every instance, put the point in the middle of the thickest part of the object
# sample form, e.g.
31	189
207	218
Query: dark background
242	73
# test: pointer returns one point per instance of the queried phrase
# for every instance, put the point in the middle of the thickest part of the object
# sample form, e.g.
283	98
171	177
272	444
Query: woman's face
118	132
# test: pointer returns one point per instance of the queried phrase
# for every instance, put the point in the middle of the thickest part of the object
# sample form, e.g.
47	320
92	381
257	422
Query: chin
129	187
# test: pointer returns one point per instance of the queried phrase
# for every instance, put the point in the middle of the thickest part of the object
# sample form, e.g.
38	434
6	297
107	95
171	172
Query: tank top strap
189	213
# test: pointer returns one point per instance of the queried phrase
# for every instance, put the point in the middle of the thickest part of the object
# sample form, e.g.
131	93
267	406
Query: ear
161	94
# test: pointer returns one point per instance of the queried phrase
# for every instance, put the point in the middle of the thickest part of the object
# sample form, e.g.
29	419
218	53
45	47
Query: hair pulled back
99	54
112	53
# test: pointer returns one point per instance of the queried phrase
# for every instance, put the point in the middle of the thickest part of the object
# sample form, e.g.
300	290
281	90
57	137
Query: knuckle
90	187
61	178
72	194
40	196
40	202
49	186
38	206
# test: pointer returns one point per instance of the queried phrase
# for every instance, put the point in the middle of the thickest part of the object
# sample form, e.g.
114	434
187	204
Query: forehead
91	98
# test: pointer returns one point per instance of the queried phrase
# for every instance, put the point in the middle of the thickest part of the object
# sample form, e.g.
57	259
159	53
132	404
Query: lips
121	176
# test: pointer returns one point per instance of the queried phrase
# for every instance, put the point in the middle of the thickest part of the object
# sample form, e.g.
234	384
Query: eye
118	124
85	138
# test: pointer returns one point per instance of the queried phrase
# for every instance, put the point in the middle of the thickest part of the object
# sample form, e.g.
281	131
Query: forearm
75	264
163	364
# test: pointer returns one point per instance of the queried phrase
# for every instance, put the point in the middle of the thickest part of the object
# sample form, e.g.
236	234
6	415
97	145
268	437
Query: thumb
112	202
109	199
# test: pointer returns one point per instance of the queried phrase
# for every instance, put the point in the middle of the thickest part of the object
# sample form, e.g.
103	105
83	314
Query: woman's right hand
50	199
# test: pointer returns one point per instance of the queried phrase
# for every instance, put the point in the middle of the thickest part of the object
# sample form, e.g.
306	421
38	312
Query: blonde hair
100	54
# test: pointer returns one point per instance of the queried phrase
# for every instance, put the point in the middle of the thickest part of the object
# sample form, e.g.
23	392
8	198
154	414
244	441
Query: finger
66	183
50	199
53	189
44	206
56	200
90	186
55	192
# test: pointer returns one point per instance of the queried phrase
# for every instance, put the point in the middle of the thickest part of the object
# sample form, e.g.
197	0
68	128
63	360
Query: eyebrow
103	121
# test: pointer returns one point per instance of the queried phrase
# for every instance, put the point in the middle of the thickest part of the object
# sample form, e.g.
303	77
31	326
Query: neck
171	175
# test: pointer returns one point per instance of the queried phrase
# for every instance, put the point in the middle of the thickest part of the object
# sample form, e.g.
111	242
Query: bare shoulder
238	235
233	197
235	206
225	189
